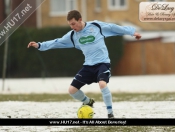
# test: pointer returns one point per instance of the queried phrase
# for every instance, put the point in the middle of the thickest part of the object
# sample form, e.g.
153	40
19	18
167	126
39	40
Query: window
61	7
117	4
97	5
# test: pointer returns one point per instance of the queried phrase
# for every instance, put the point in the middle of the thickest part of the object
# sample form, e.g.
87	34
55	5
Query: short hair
73	14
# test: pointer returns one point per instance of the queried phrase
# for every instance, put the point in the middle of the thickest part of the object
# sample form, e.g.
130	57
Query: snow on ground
146	83
153	109
153	83
125	109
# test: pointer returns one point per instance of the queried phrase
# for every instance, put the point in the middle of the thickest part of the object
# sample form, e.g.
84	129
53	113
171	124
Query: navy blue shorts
92	74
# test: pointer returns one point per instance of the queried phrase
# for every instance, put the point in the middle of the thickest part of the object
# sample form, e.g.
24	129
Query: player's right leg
76	93
82	77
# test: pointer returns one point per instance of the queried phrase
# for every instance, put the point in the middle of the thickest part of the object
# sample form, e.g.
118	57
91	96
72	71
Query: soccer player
89	38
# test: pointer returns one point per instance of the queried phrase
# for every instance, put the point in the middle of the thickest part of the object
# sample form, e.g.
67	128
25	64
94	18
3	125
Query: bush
24	62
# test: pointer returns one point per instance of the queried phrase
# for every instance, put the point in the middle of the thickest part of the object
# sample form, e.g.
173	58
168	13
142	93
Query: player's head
75	20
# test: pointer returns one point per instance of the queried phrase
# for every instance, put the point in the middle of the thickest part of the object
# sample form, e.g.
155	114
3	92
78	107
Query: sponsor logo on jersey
84	40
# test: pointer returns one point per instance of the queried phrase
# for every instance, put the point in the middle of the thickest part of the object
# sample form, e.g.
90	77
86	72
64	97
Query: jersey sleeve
111	29
64	42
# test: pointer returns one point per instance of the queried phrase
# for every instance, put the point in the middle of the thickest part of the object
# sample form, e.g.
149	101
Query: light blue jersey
90	41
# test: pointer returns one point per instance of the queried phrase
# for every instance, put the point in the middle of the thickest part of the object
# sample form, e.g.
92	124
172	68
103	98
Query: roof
167	36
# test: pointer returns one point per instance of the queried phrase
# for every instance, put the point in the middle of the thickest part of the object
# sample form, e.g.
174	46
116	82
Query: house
2	10
153	54
53	12
9	6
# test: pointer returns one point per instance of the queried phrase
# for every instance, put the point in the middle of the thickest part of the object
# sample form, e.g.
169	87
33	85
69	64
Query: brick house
2	11
153	54
53	12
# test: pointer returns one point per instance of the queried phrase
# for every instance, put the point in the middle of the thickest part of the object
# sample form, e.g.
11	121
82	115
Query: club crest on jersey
84	40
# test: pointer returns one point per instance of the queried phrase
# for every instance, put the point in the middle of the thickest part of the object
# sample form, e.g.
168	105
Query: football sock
107	98
79	95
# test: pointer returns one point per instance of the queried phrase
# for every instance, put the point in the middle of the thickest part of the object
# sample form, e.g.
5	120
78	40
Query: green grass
116	98
97	97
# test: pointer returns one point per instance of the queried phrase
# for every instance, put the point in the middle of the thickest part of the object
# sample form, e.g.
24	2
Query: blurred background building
153	54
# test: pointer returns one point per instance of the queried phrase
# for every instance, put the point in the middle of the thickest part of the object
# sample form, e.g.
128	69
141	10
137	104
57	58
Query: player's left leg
107	98
103	79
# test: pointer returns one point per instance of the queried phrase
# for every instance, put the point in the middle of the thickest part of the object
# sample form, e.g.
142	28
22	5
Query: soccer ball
85	111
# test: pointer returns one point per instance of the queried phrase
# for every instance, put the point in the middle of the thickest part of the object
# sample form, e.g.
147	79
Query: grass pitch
116	98
98	97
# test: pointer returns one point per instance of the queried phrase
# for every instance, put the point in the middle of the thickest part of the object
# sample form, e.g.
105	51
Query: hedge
23	62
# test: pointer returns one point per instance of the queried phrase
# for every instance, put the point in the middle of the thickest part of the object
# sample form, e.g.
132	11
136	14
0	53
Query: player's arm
111	29
137	35
63	42
33	44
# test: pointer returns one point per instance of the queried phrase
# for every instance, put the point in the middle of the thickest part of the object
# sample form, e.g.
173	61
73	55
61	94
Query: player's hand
33	44
137	35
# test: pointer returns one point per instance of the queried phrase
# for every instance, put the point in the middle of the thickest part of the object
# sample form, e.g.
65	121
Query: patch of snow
133	84
142	109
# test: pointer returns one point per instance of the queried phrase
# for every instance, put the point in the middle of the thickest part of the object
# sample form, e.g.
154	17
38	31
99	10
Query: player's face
75	25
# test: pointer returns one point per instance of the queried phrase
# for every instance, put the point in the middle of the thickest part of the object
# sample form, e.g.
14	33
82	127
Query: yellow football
85	112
